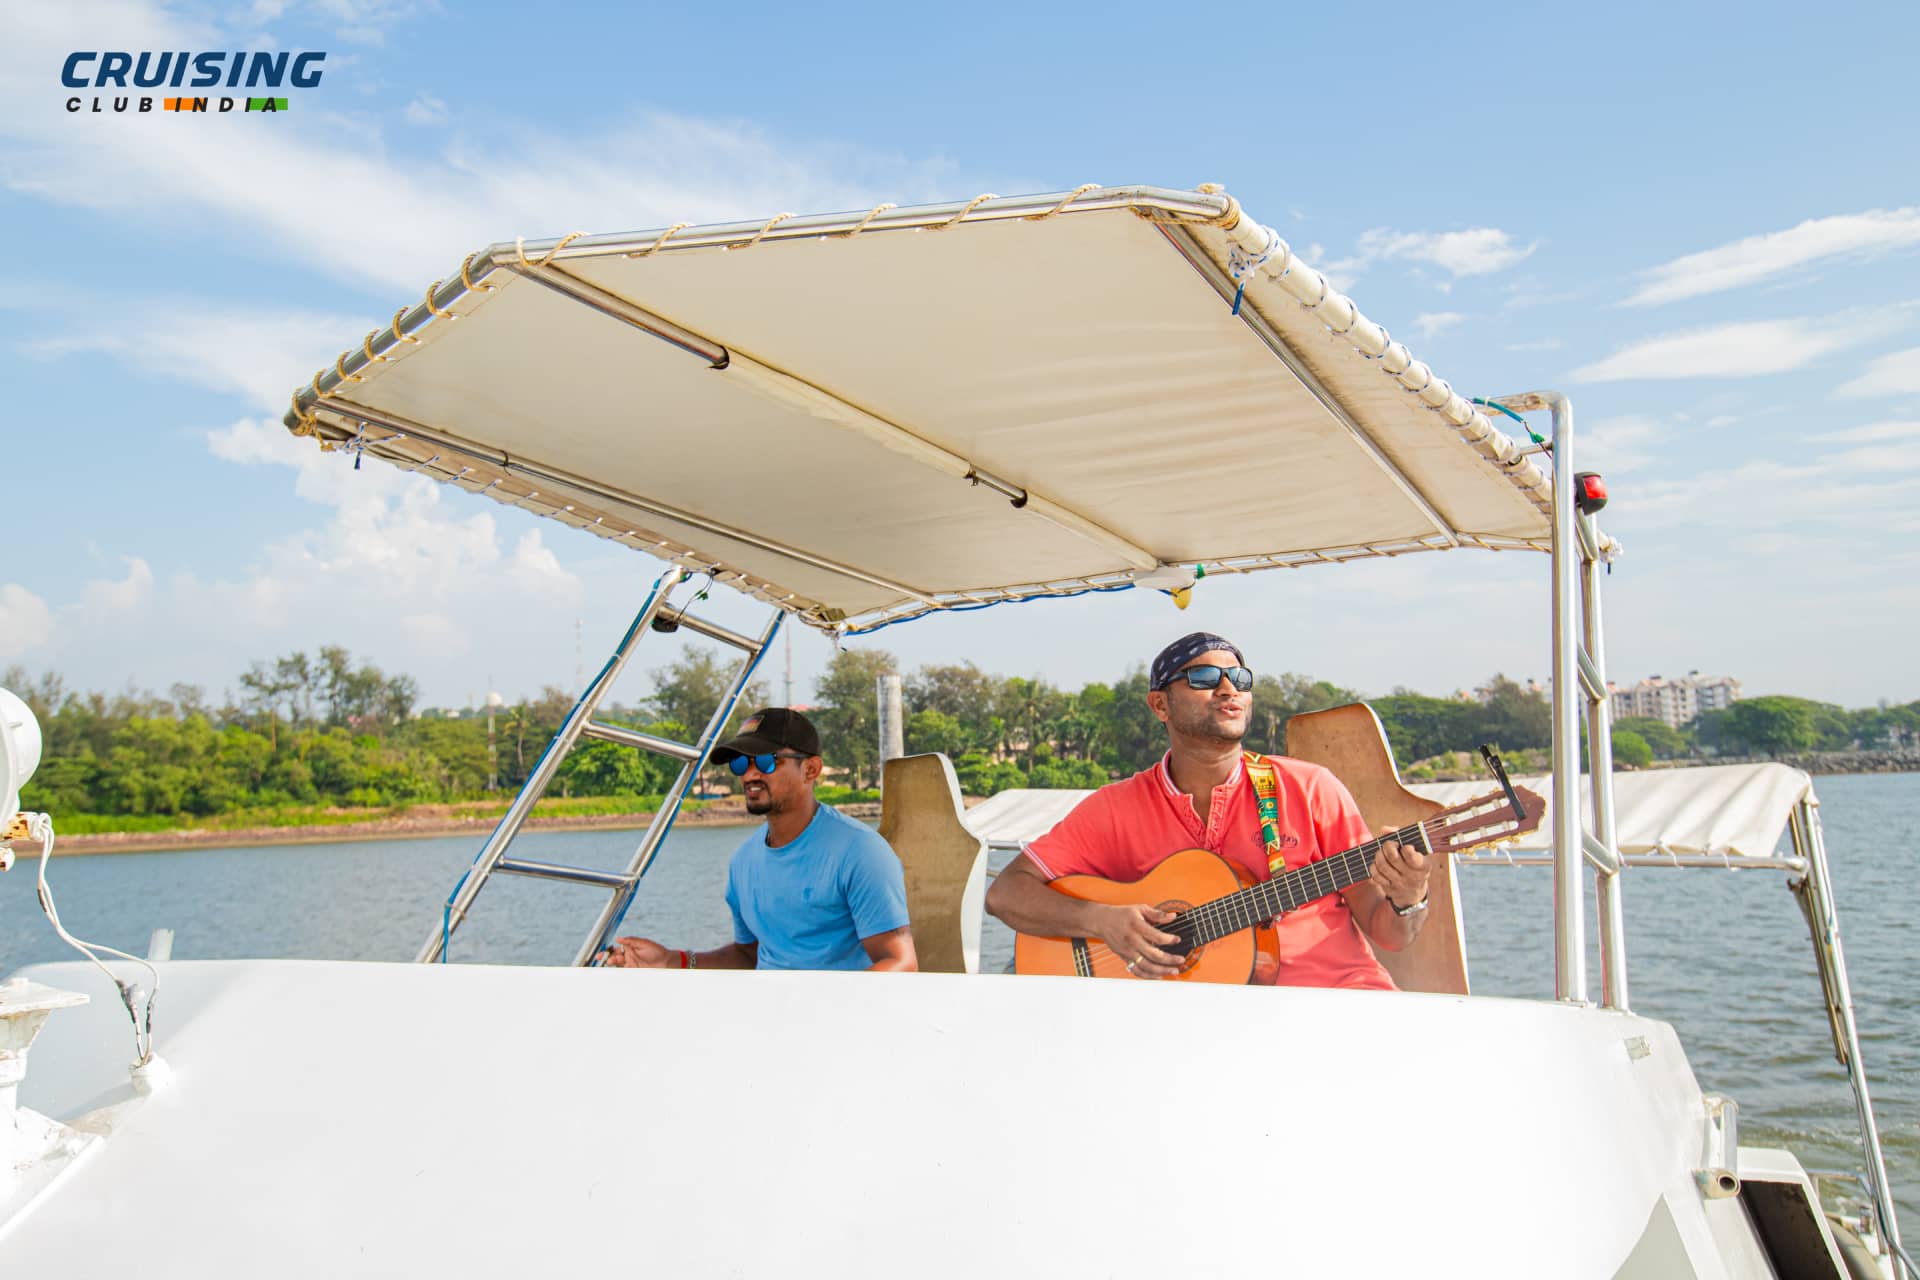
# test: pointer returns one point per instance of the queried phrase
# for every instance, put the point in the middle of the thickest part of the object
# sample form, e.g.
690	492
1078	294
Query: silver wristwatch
1404	912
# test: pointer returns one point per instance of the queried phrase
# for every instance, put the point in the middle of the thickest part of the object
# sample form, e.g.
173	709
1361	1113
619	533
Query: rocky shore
1906	760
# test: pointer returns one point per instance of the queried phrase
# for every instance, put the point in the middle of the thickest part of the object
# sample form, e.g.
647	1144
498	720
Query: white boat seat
1350	741
946	865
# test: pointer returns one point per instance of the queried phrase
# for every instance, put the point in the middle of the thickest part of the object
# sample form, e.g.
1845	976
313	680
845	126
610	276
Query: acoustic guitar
1224	919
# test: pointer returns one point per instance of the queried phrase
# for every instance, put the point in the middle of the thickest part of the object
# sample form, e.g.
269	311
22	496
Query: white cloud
393	220
1538	344
104	598
1476	252
1873	433
1621	445
1895	374
426	109
356	21
258	354
25	621
1719	420
1433	323
1868	486
1745	349
1859	236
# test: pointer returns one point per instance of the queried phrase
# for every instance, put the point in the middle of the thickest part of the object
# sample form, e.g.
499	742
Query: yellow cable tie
366	346
467	279
1077	192
399	336
1210	188
872	213
972	204
654	248
431	290
760	235
520	249
340	369
314	386
304	418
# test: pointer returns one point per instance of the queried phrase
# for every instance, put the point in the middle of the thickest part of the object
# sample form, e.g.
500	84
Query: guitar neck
1290	892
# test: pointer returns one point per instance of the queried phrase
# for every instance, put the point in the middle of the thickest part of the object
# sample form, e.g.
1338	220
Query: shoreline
712	814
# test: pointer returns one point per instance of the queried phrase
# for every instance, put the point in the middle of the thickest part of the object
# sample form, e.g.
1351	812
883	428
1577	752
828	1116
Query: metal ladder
1579	691
620	886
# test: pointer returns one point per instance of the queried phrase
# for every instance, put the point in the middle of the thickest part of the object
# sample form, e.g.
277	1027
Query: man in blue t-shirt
812	889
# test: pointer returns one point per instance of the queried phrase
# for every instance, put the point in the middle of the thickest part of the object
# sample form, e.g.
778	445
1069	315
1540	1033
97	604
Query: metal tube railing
1569	921
536	784
656	833
1824	922
1606	885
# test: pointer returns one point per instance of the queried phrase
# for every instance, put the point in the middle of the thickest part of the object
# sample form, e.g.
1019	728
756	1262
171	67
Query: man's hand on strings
1401	873
1130	934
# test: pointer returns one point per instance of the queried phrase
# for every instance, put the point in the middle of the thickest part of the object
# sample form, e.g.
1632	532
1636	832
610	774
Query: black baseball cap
766	732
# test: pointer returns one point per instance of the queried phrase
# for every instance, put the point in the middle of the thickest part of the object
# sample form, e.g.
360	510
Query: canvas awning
872	415
1721	811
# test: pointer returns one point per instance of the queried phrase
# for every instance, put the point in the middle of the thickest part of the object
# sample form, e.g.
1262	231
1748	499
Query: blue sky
1701	222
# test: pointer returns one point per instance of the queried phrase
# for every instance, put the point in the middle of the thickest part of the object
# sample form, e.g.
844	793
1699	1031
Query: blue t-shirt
808	903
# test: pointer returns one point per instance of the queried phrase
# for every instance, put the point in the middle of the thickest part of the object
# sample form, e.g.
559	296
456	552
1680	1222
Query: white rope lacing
1243	264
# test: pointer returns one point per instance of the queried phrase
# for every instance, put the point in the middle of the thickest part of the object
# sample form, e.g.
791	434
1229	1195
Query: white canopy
868	416
1730	811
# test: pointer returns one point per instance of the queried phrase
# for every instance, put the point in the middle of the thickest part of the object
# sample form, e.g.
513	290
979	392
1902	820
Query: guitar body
1184	881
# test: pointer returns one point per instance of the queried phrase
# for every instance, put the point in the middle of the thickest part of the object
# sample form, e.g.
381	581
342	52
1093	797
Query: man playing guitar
1206	793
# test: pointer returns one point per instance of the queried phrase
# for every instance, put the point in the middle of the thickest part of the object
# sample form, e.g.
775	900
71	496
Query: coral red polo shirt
1125	829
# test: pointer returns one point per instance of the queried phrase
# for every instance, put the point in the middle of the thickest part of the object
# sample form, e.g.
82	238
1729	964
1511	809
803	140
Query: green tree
607	769
962	692
689	689
932	730
1769	725
1418	726
849	717
1511	718
1631	750
1665	741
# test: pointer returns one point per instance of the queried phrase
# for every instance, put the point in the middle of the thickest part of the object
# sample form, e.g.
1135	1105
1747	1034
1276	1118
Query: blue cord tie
1241	265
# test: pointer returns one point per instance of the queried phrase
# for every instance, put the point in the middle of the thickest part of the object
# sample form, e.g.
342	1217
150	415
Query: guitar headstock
1484	820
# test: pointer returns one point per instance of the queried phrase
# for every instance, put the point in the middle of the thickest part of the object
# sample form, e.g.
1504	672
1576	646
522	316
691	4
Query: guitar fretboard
1261	902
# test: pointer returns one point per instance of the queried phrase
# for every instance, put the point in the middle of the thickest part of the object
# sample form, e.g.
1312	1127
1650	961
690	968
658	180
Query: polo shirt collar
1166	773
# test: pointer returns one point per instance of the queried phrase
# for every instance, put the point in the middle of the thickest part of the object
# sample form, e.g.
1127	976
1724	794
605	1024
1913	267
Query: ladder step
640	741
711	630
553	871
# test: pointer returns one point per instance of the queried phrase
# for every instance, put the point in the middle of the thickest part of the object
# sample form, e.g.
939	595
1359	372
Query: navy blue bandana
1185	650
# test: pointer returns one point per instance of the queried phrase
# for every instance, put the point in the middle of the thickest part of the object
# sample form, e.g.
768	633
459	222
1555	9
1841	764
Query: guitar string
1322	875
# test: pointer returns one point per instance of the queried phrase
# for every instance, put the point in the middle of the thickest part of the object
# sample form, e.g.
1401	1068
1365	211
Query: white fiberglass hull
330	1119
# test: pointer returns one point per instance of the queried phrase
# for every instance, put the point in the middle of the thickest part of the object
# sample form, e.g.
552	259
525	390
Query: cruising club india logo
192	72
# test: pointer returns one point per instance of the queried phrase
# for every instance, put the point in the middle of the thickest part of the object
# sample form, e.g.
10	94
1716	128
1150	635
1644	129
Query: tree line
326	730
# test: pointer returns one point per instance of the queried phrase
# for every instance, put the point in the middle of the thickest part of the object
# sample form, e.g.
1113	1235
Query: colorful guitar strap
1266	790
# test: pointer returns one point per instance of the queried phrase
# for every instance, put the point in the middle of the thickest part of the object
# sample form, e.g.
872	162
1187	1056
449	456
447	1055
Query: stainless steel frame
1579	683
1814	890
580	724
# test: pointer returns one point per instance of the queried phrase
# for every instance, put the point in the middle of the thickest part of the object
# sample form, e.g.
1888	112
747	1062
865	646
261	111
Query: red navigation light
1589	492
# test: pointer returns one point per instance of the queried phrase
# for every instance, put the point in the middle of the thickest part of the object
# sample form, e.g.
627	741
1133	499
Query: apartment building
1674	701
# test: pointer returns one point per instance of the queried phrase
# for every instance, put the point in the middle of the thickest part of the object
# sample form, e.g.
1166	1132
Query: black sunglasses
1207	676
765	763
